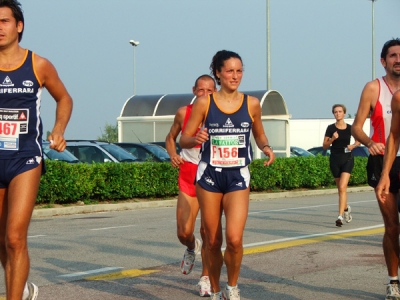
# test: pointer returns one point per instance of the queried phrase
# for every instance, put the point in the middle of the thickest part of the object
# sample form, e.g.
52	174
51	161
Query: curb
86	209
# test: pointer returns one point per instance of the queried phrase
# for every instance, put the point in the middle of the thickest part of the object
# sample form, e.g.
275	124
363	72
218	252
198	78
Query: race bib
225	151
13	122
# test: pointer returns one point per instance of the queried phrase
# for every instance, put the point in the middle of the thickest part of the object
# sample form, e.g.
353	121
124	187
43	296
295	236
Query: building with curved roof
148	118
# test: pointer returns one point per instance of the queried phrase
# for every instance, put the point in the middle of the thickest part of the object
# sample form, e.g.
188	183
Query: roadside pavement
146	204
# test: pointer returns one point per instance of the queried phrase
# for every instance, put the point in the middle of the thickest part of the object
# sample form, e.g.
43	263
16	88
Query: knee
184	235
214	245
234	243
14	241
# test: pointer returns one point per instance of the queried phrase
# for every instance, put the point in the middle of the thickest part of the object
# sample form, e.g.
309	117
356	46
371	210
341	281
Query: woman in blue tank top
223	177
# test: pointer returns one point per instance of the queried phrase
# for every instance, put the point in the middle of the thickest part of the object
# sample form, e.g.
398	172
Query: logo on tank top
228	123
7	82
27	83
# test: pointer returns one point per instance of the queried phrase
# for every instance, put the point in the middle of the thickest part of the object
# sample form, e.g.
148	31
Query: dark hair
16	9
339	105
218	60
387	45
204	76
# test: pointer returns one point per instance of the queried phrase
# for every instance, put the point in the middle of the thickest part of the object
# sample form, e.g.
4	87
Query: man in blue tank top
23	75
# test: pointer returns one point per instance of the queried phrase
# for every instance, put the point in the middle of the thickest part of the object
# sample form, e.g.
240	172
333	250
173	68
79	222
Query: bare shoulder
44	68
371	88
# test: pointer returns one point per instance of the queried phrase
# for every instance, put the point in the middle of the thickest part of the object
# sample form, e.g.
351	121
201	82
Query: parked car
146	152
52	154
358	151
162	144
89	151
297	151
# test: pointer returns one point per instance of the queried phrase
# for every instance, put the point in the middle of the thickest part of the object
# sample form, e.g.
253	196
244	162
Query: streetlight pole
373	39
134	44
268	51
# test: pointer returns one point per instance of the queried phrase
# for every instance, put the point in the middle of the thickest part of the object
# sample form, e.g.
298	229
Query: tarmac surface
320	262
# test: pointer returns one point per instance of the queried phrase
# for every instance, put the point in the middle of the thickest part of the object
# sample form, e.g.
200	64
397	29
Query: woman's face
338	112
231	73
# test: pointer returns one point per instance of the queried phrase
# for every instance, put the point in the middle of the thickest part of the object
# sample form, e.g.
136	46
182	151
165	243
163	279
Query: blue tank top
228	145
20	123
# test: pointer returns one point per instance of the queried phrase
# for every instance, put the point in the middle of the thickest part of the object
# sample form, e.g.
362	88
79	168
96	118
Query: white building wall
308	133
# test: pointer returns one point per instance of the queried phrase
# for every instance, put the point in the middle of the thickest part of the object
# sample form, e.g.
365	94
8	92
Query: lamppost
373	39
268	51
134	44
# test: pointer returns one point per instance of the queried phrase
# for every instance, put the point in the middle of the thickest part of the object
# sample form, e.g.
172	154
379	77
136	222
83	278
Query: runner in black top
341	160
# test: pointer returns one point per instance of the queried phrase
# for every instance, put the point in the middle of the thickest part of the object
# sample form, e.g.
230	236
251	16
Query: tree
110	133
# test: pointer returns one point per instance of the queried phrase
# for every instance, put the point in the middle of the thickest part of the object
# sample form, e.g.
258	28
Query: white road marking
90	272
310	236
116	227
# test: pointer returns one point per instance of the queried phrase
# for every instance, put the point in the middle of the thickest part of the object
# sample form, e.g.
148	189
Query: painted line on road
90	272
263	247
35	236
122	274
309	239
115	227
305	207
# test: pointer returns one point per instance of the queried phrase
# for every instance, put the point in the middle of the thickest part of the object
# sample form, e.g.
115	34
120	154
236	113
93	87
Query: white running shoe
33	291
189	257
204	286
392	291
232	294
347	214
216	296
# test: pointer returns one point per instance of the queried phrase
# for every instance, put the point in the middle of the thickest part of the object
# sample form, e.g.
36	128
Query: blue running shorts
222	180
10	168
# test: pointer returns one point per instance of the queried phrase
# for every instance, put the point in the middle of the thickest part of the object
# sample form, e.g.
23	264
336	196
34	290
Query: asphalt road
293	250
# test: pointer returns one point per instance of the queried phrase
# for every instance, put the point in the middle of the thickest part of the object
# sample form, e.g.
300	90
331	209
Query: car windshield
55	155
159	152
120	154
300	152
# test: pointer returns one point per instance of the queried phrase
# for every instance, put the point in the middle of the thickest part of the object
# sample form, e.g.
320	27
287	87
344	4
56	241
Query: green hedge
67	183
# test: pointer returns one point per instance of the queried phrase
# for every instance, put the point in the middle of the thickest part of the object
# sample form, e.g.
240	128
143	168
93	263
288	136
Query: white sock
340	217
393	278
228	287
25	294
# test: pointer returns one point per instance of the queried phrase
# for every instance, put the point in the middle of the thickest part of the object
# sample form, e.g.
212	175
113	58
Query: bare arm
170	140
258	130
50	80
392	146
197	116
367	103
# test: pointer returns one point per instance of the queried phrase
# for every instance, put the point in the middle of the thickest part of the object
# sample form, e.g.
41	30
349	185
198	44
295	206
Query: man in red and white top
376	100
188	205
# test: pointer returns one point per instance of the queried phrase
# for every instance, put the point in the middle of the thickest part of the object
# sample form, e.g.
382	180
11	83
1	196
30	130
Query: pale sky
321	50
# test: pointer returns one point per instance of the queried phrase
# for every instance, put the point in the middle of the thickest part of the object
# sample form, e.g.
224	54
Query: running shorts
187	178
341	163
10	168
374	170
222	180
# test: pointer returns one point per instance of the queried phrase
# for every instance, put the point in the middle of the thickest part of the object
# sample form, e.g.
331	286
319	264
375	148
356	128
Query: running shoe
216	296
232	294
347	214
339	221
392	291
189	257
204	286
33	291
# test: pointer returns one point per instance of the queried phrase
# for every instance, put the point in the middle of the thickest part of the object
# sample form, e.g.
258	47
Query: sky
321	50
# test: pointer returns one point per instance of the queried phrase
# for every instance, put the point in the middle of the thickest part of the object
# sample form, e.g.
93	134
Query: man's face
9	29
392	62
204	87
